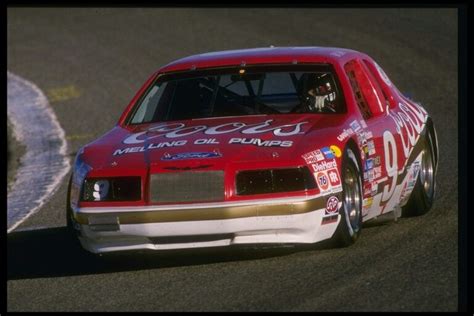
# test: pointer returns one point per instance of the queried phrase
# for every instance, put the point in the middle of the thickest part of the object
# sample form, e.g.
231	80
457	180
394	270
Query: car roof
263	55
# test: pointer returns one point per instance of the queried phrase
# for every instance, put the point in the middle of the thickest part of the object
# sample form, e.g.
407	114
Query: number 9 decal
391	164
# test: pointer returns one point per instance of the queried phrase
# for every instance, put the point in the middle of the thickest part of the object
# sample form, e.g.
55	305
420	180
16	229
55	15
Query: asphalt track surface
105	55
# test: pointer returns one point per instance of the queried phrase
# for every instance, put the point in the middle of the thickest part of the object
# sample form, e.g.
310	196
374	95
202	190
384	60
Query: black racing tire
350	225
422	196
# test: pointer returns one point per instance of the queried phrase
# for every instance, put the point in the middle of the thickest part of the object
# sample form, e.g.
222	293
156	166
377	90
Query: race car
278	145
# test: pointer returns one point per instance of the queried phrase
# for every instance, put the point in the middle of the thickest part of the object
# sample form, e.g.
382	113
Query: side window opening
146	110
389	100
373	98
360	99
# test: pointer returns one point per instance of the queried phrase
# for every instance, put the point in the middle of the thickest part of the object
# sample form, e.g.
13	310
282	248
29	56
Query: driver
320	95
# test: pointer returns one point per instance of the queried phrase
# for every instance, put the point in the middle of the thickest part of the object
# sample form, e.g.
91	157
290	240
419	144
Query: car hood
213	140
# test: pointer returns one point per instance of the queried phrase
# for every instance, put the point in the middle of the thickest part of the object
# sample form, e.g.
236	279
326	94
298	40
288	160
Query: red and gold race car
268	145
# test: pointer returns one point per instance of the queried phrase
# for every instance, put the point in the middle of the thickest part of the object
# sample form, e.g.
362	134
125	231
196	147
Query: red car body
389	141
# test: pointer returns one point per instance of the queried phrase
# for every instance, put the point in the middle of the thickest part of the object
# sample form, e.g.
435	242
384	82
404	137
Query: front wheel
350	225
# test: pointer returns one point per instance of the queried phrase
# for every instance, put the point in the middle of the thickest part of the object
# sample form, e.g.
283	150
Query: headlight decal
101	190
111	189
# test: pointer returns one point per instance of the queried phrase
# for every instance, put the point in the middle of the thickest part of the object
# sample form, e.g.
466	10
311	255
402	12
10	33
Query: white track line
44	164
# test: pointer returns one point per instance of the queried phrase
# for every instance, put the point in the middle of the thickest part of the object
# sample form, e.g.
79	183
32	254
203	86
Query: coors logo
176	130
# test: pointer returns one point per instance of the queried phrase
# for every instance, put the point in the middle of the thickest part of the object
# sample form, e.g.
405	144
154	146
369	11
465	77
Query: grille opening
274	181
188	186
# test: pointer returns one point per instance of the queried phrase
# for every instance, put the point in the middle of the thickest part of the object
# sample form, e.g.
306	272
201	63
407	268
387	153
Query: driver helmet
320	93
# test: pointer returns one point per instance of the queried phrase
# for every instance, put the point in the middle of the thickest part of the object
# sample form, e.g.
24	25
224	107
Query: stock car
278	145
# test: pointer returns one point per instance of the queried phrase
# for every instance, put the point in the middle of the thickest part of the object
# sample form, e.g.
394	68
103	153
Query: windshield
239	91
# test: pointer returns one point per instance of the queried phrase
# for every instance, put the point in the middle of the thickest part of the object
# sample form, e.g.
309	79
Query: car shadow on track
53	252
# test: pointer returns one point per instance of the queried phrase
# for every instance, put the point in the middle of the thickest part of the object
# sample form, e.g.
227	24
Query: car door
376	138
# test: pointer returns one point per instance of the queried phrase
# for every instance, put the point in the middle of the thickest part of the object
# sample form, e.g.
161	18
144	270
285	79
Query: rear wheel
350	225
422	197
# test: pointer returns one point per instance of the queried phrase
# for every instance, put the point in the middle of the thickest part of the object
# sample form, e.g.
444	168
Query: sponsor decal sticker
313	157
211	141
176	130
377	172
371	147
137	149
370	189
367	202
328	181
416	168
328	153
334	177
323	182
261	143
411	181
336	151
411	120
355	126
362	138
376	160
206	141
192	155
321	166
345	134
332	205
375	187
365	150
405	193
369	175
367	189
369	164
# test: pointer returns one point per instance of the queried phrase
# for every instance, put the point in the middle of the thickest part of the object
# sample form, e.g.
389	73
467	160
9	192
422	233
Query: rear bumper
300	220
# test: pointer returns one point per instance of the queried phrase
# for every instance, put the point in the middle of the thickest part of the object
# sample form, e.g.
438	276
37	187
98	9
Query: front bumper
295	220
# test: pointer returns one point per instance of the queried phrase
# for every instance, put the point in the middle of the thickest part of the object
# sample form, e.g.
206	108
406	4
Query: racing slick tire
349	228
421	199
